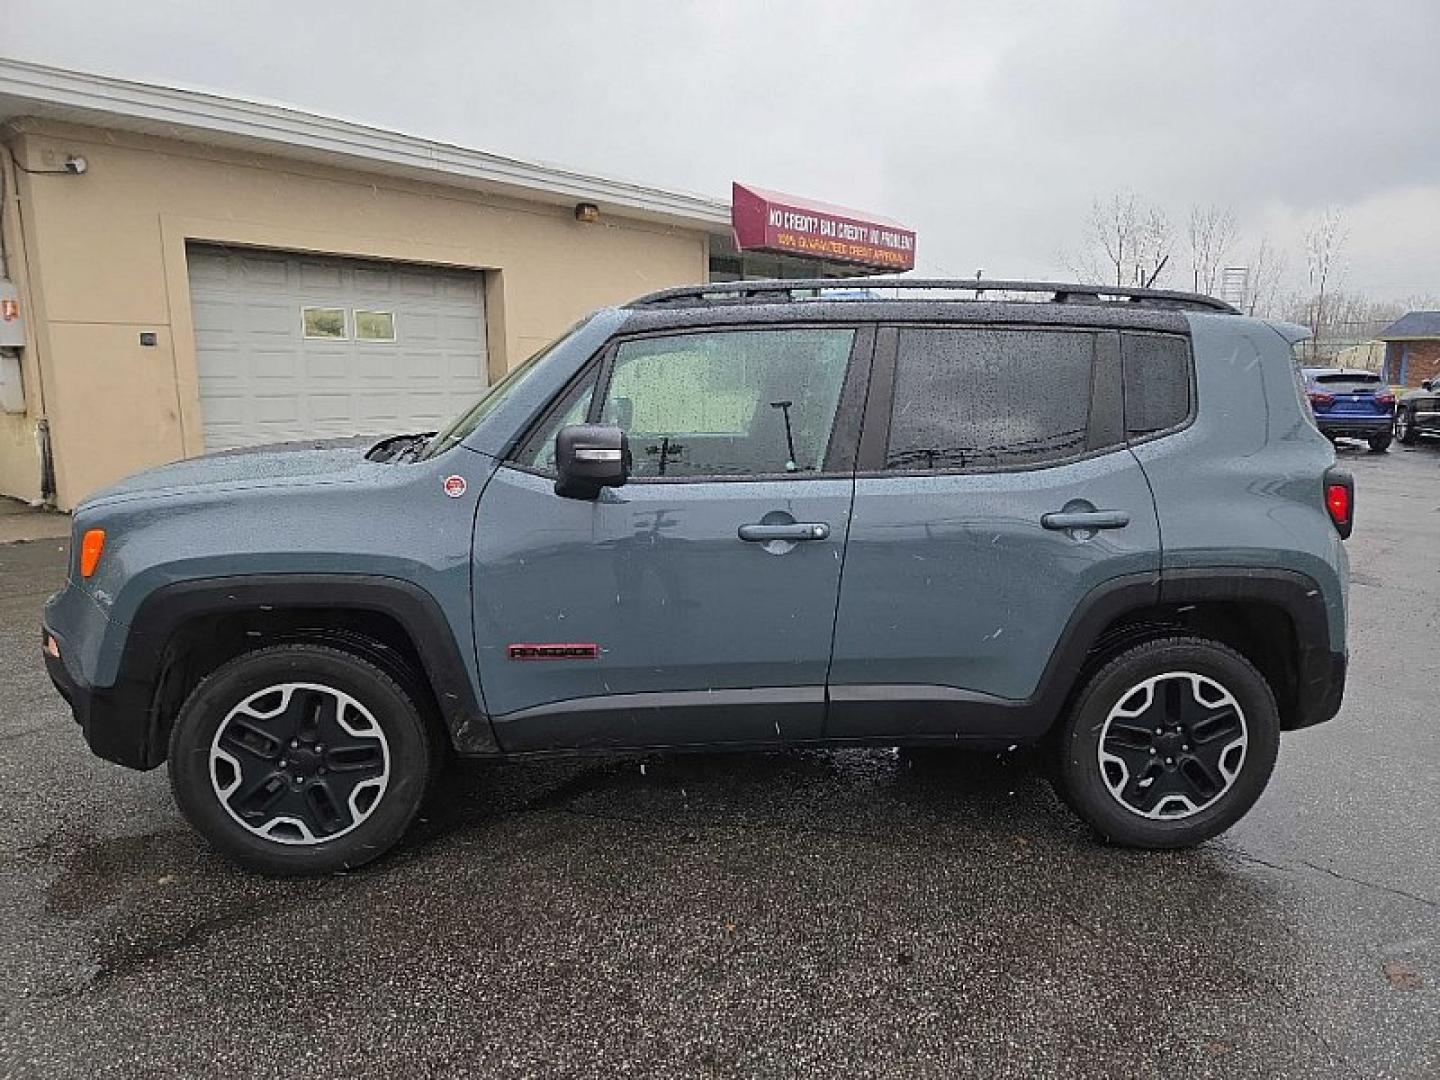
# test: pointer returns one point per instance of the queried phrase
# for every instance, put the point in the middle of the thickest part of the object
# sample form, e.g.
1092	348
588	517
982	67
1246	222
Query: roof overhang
35	90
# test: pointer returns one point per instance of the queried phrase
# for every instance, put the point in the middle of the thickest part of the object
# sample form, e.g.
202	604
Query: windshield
1355	378
492	399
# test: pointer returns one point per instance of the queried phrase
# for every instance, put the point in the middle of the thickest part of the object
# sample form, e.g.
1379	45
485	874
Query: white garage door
293	346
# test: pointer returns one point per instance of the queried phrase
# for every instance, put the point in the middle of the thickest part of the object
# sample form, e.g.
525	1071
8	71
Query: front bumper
116	721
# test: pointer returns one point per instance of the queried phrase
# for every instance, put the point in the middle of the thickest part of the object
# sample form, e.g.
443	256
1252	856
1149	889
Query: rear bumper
1354	427
114	720
1321	688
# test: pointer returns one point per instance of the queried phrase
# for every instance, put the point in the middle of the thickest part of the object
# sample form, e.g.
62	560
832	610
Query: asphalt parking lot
847	914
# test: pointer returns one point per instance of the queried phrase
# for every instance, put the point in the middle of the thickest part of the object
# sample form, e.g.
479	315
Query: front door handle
1085	519
791	532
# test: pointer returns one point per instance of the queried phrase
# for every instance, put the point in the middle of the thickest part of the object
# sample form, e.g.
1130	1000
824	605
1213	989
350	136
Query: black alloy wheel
1168	744
301	759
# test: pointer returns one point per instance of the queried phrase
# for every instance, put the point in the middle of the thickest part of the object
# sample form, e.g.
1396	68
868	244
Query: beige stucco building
196	272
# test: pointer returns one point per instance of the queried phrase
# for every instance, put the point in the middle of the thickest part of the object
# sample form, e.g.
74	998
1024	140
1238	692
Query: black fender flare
167	609
1319	670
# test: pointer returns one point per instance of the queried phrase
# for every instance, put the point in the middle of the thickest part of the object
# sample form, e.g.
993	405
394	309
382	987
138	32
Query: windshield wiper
399	447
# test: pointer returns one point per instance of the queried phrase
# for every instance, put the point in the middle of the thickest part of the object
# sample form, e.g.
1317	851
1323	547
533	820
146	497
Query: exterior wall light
587	212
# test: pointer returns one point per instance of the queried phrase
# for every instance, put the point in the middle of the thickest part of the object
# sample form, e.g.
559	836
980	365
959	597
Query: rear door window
984	398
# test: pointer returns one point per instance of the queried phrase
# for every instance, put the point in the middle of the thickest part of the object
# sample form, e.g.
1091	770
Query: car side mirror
1427	384
589	457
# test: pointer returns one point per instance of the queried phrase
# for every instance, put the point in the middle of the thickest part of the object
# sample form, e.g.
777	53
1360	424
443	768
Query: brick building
1412	348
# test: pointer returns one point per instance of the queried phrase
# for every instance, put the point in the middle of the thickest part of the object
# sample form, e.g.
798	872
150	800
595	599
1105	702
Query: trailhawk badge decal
454	486
548	651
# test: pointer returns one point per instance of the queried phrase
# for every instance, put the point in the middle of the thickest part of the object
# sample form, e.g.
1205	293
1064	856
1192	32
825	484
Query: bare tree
1324	241
1157	243
1212	233
1262	282
1127	242
1112	237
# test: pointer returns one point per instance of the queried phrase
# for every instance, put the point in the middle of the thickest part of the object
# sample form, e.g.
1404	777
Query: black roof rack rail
779	291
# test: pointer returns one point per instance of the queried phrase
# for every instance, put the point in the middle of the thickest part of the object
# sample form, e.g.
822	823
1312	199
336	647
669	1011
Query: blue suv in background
756	515
1351	404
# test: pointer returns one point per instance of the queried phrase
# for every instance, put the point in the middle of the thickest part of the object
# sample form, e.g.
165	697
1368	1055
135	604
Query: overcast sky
988	127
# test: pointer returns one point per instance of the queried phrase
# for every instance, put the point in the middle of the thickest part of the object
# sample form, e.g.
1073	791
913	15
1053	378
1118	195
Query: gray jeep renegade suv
755	515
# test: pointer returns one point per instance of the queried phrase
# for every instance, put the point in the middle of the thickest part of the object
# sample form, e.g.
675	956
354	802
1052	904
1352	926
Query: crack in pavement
1393	890
1364	883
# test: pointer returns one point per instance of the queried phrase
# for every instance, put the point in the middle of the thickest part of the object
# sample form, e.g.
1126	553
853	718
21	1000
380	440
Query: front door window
728	403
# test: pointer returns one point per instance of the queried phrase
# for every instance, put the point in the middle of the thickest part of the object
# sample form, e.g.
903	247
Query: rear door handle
1086	519
794	533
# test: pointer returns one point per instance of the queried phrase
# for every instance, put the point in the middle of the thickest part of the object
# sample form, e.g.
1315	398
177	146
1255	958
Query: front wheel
1169	744
1405	428
1380	443
300	759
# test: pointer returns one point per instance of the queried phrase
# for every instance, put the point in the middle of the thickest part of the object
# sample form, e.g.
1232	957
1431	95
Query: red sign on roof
769	221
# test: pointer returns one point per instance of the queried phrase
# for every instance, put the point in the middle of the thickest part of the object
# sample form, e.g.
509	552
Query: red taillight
1340	500
1319	397
1384	399
1337	500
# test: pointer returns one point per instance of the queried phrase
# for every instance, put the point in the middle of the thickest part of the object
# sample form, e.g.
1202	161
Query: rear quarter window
1158	383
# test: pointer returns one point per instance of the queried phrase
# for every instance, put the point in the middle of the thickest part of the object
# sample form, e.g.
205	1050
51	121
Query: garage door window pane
324	322
374	326
974	398
736	403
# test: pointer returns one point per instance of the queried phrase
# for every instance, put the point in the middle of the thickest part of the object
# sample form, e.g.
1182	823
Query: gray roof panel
1413	324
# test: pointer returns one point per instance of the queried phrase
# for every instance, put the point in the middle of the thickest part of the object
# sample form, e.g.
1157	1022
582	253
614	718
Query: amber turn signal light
91	547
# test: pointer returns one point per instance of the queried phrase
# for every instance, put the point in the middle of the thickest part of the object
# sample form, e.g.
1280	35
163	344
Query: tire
1380	443
251	772
1221	699
1405	428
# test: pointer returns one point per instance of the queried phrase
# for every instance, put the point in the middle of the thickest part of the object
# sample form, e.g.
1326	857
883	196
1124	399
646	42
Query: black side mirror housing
589	457
1427	384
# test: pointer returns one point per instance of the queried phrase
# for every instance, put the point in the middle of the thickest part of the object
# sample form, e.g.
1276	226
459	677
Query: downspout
4	247
10	181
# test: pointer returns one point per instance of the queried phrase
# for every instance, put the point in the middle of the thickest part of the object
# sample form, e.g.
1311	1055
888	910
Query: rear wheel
1405	428
300	759
1169	744
1380	443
